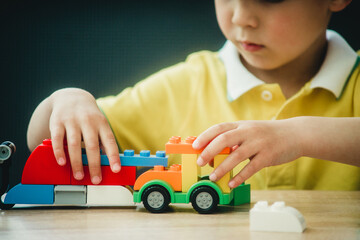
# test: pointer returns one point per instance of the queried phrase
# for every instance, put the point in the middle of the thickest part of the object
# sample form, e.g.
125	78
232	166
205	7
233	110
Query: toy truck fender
222	197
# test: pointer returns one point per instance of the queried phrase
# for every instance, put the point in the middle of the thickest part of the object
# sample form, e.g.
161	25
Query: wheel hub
155	199
204	200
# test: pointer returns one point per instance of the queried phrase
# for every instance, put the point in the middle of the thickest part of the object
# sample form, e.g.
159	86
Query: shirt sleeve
146	115
356	75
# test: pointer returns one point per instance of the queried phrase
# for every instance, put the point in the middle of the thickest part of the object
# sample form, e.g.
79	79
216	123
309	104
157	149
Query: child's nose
245	15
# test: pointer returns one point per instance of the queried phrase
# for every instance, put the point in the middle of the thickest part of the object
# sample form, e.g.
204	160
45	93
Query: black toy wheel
204	199
156	199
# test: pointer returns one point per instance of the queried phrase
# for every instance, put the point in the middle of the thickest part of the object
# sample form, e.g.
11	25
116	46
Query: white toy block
109	196
276	218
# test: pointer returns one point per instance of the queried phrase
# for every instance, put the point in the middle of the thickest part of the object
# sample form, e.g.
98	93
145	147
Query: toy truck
159	187
45	182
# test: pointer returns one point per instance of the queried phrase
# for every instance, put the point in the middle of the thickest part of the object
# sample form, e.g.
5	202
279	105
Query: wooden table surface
328	215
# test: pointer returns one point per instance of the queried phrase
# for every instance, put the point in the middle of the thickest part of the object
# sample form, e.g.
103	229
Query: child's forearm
38	128
334	139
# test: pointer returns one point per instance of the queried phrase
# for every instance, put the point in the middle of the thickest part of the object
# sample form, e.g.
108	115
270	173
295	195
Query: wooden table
329	215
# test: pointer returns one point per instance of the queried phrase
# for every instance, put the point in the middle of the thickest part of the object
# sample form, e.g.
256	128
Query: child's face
271	33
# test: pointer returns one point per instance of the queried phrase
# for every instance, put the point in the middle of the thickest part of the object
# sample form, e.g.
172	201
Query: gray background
101	46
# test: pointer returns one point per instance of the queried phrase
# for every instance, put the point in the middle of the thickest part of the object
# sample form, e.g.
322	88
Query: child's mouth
251	47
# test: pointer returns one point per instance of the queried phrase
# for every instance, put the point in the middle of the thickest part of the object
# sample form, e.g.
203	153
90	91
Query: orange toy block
171	176
176	146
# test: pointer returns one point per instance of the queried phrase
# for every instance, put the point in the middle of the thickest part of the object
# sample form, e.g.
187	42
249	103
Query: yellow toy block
224	181
190	171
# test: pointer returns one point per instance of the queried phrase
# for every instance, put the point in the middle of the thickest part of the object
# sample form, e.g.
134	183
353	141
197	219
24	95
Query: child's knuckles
92	145
239	154
253	167
224	140
206	156
221	127
73	142
109	139
102	120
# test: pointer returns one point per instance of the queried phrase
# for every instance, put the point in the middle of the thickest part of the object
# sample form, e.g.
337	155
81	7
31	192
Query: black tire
204	199
156	199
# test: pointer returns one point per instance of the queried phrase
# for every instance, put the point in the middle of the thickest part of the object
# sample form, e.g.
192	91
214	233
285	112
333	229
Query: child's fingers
92	146
227	139
250	169
111	148
240	154
73	137
204	138
57	138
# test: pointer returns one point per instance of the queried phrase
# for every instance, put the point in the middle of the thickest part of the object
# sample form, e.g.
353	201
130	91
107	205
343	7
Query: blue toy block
129	158
30	194
103	160
144	159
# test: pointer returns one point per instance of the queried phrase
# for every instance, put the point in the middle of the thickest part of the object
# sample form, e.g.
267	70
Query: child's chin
259	63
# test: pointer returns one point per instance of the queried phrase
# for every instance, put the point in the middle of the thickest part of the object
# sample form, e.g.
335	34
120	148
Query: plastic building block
126	176
128	158
190	171
30	194
144	159
42	168
223	182
109	196
69	194
276	218
241	194
176	146
171	176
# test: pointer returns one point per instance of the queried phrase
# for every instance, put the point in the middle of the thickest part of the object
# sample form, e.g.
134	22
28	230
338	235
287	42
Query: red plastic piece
42	168
176	146
126	176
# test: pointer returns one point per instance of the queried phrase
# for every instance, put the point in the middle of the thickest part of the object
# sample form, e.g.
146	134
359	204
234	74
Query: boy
279	64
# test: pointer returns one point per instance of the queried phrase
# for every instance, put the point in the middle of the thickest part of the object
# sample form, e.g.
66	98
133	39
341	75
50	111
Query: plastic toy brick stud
276	218
171	175
42	168
176	146
144	159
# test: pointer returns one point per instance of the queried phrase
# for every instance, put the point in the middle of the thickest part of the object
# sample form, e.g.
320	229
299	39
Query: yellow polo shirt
210	88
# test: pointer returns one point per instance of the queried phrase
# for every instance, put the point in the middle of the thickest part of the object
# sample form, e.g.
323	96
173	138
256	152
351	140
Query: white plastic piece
109	196
70	195
276	218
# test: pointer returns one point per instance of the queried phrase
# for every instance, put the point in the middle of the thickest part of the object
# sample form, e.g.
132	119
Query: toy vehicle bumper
30	194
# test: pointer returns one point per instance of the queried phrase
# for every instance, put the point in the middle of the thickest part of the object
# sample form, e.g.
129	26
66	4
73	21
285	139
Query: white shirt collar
333	74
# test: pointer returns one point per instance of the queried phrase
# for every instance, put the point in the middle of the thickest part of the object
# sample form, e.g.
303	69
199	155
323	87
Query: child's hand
265	143
75	116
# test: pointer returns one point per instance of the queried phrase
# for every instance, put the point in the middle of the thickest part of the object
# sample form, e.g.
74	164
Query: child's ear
338	5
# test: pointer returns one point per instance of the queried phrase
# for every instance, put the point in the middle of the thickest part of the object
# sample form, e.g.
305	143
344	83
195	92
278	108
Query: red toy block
42	168
171	176
176	146
126	176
